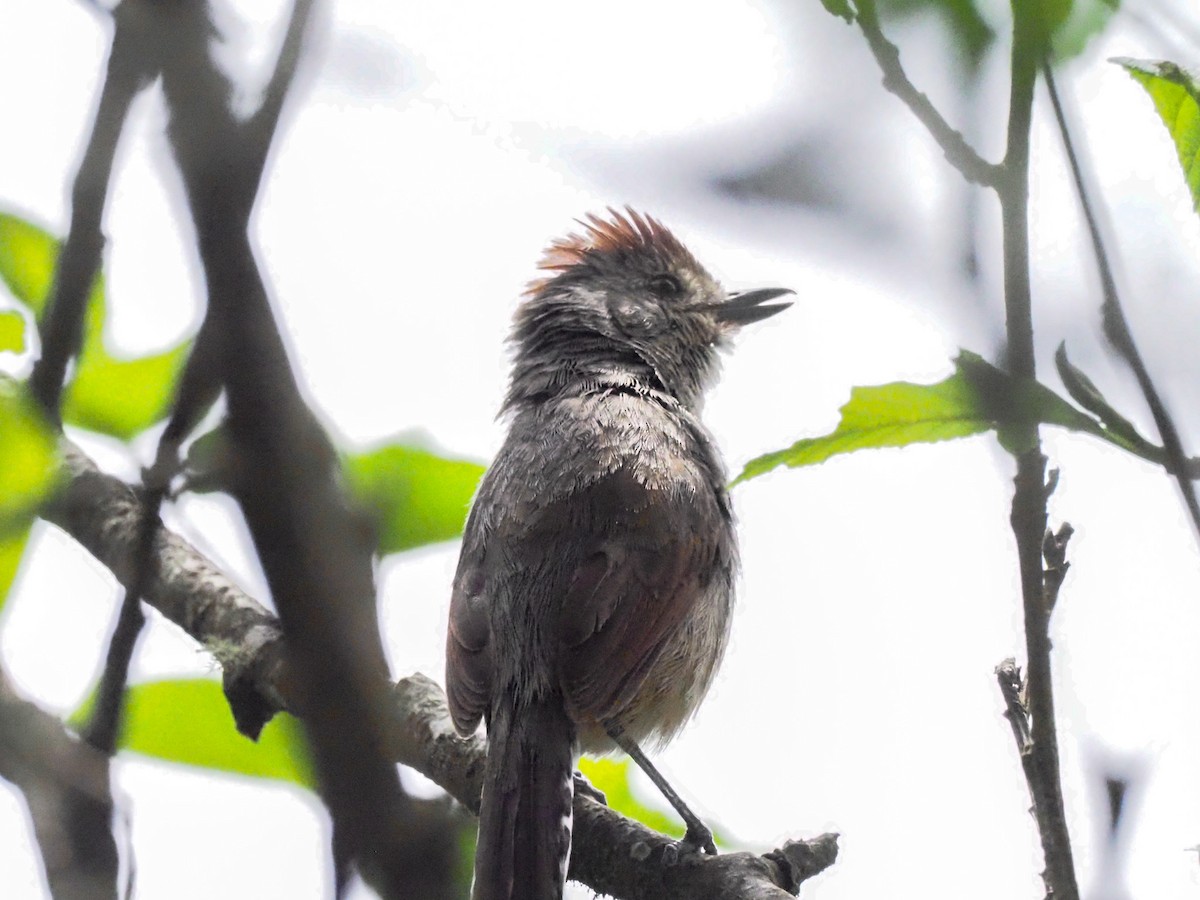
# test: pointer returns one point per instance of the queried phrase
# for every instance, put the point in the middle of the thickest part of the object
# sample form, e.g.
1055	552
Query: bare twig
1015	690
1028	516
1116	326
104	722
62	320
263	124
958	152
106	516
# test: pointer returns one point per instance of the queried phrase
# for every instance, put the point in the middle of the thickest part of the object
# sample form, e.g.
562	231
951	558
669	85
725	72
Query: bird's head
626	300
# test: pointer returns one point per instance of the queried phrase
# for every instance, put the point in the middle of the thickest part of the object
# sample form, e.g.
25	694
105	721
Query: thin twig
1028	516
958	152
1116	326
62	320
263	124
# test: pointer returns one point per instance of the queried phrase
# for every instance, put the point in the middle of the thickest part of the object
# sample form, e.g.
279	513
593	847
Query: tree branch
65	784
62	320
611	853
88	818
1028	516
1116	326
105	516
957	151
315	554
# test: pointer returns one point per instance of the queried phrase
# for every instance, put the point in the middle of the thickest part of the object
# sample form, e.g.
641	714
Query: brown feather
628	232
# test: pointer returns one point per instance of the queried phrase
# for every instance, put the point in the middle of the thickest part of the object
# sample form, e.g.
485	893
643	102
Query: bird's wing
646	563
468	646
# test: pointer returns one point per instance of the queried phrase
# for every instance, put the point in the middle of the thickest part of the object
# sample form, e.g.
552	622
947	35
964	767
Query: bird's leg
698	834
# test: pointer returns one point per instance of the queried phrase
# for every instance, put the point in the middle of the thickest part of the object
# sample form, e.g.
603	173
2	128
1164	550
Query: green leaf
110	395
416	497
210	462
978	397
1086	394
188	721
968	28
1176	96
27	457
612	777
27	258
123	398
28	472
1086	20
12	549
840	8
12	332
1070	23
1047	16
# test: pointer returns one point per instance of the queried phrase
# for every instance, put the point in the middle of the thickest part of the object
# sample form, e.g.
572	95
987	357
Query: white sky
433	151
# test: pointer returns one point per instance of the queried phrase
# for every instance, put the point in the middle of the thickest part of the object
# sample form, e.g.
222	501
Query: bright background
431	151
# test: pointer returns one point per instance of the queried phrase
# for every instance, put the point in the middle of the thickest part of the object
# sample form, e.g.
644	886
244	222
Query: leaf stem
1116	326
958	152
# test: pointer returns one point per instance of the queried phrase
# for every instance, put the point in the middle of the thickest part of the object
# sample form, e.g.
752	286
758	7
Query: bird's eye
663	286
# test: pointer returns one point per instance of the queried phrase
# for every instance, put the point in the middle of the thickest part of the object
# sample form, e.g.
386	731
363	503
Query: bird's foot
699	837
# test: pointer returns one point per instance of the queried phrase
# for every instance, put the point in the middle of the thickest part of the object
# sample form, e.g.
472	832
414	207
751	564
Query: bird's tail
525	815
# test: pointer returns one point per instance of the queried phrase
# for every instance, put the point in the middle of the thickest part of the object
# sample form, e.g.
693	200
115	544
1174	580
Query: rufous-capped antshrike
592	601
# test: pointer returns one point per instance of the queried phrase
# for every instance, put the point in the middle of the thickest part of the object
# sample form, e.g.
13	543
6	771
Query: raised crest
627	232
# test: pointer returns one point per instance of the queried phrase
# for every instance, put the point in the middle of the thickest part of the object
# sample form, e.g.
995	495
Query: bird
592	600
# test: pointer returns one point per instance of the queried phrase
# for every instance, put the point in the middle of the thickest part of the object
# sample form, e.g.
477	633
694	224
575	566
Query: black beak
751	306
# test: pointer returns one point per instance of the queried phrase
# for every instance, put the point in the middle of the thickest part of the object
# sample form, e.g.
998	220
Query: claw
699	837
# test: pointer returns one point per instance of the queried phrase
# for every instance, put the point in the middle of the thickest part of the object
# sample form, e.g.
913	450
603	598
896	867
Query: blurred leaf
109	395
1087	395
27	457
12	332
612	777
1086	20
209	462
1176	96
12	548
415	497
188	721
969	30
27	257
123	398
840	8
1049	15
28	471
978	397
1071	23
